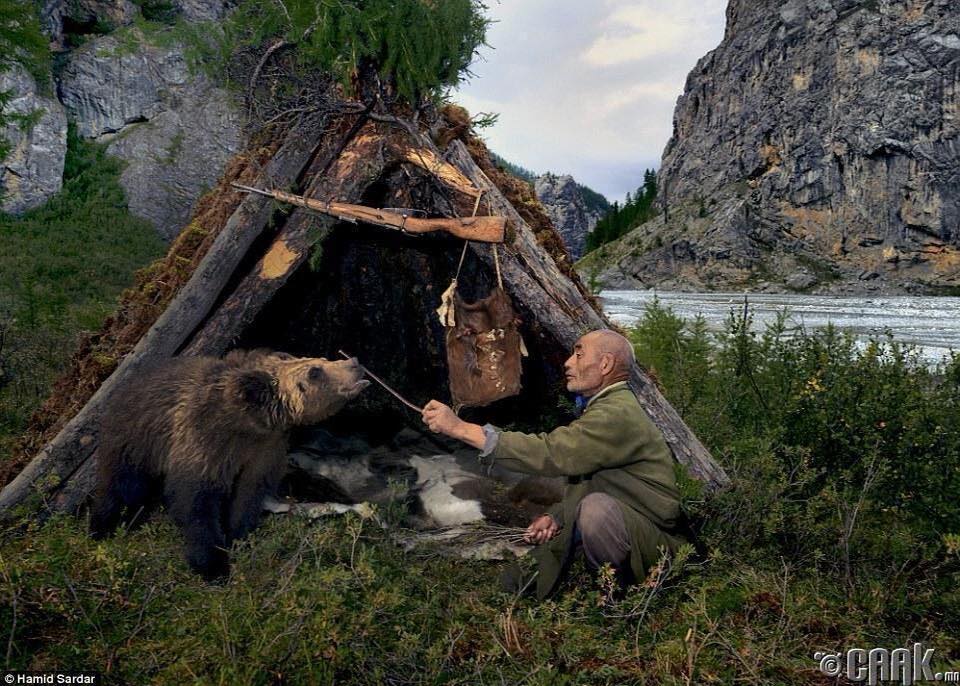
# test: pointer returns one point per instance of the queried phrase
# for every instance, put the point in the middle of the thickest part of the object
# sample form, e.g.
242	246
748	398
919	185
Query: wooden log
343	179
537	286
72	446
430	161
482	229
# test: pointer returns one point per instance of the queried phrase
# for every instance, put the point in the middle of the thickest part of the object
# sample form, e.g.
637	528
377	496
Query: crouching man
621	503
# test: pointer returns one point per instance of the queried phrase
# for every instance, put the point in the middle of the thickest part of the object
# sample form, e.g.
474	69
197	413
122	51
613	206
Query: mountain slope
815	148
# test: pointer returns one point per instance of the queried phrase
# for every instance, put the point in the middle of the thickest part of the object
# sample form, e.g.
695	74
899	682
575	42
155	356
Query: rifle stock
482	229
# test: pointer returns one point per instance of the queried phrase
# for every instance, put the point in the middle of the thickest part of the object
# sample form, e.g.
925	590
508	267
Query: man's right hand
541	529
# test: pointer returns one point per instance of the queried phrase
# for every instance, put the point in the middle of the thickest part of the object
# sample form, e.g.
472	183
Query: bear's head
314	388
282	390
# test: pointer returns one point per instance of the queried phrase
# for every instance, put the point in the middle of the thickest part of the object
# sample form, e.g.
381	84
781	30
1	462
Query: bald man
621	502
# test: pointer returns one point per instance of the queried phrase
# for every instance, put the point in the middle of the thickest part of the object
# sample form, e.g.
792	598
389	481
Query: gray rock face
202	10
173	158
565	205
835	123
61	17
105	86
801	280
175	130
33	171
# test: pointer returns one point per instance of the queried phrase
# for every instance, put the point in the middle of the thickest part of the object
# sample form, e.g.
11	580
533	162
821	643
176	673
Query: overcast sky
588	88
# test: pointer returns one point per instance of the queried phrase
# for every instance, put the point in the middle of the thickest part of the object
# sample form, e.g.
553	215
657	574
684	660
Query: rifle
483	229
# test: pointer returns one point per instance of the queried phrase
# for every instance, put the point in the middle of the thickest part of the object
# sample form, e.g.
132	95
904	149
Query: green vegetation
61	269
593	201
836	425
839	532
21	43
513	169
637	209
421	48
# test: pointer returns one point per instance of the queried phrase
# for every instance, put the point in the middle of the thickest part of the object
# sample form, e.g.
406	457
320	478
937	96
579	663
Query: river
931	324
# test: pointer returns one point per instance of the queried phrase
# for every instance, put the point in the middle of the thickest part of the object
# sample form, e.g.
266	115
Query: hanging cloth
484	346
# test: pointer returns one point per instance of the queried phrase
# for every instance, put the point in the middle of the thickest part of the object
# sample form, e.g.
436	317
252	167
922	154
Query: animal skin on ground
210	436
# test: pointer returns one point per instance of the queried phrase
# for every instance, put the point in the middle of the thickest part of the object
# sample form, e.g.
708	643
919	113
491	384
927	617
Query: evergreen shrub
422	48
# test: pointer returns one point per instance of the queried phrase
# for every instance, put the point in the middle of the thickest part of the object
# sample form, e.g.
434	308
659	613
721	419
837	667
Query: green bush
840	454
159	11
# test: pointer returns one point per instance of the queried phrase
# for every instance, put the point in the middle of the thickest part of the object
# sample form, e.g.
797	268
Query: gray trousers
601	531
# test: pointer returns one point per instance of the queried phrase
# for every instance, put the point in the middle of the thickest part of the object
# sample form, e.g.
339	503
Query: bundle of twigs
476	533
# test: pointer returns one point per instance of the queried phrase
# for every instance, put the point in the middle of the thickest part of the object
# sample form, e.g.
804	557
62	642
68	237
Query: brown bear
210	436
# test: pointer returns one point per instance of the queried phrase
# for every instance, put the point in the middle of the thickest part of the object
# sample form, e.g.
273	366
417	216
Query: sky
588	88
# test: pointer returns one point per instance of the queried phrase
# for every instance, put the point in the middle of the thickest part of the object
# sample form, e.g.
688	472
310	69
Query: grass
61	269
336	601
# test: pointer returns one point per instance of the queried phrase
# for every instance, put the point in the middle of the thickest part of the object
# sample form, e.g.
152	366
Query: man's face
583	369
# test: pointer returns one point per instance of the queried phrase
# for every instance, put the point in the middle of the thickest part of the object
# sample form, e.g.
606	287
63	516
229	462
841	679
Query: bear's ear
257	389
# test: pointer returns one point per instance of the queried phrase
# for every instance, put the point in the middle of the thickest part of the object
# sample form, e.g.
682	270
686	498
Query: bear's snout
351	377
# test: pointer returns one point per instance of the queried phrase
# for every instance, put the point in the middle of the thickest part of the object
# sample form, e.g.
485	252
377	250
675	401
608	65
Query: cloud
589	88
651	29
641	92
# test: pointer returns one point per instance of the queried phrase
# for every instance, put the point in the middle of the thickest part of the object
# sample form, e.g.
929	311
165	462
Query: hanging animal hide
483	350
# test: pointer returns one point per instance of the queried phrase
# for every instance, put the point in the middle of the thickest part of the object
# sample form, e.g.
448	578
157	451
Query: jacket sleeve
597	440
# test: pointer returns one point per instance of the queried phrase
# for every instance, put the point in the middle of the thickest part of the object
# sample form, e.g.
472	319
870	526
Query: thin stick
383	383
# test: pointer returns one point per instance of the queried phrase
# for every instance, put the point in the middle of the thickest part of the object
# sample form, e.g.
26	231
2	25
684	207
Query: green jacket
612	448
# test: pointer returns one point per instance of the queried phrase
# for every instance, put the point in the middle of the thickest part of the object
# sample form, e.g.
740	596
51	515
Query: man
621	501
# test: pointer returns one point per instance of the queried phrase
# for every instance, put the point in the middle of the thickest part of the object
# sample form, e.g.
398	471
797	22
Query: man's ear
607	363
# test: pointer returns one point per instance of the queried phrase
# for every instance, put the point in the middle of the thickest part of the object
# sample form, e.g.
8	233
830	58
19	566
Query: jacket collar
605	390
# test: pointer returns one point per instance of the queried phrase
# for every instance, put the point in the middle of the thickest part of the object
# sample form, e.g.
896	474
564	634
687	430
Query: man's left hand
541	530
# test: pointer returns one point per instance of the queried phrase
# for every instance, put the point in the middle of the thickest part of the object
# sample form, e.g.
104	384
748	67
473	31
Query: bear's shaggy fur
210	436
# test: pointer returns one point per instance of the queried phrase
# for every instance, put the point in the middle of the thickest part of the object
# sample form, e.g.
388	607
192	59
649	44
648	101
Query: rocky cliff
33	170
572	215
131	89
174	129
815	149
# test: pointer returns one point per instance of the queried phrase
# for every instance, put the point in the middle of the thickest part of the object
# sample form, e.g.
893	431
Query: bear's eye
315	374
